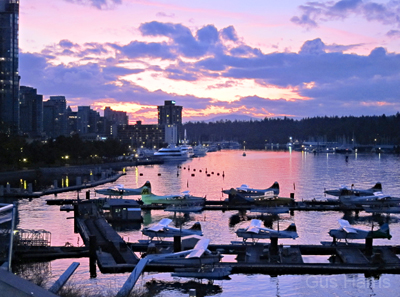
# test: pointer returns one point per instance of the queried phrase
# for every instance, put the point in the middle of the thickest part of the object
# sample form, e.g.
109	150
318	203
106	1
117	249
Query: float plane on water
199	255
376	199
255	231
346	231
161	229
184	198
246	191
343	190
120	190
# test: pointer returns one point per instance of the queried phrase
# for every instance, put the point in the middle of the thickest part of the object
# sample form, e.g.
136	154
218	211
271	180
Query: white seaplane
120	190
343	190
196	257
346	231
161	229
245	190
255	231
179	199
199	255
375	199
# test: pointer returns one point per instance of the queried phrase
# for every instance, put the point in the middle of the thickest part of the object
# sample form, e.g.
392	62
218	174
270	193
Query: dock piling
177	244
92	255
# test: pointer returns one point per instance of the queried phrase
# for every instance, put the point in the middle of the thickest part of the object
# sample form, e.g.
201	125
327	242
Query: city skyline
262	59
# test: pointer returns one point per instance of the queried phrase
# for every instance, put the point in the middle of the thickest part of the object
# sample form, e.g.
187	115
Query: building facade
31	112
9	77
141	136
170	120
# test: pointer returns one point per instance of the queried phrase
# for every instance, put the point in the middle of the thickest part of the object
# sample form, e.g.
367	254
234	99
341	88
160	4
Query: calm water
305	175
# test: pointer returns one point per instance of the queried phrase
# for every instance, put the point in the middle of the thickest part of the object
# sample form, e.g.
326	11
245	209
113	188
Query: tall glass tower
9	77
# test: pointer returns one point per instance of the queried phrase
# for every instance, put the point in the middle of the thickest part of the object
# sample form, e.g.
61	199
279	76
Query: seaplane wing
161	225
199	248
255	226
346	226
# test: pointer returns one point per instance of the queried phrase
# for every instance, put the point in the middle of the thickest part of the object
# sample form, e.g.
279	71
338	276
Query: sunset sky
260	58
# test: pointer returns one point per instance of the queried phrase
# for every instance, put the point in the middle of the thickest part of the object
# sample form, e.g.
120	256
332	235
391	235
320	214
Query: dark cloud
393	33
137	49
229	33
316	12
66	44
335	82
182	39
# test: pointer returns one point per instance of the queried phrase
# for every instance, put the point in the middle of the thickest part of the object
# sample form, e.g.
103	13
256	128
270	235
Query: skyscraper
170	120
9	77
31	111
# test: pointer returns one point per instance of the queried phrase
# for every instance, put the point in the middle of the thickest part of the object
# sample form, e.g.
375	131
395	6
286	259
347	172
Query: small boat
204	272
200	150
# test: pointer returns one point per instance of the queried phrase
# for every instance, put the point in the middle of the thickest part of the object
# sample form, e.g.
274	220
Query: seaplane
255	231
376	199
179	199
343	190
196	257
245	190
346	231
161	229
120	190
199	255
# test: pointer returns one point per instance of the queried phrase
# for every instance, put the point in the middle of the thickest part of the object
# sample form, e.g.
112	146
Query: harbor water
306	175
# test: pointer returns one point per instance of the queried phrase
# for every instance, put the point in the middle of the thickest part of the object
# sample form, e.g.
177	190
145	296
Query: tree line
361	130
17	153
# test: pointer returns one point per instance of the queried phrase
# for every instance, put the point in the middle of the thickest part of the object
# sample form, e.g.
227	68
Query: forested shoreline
361	130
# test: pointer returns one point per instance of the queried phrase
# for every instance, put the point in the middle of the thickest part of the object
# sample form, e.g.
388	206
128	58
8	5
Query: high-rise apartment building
31	111
9	77
170	120
113	120
55	116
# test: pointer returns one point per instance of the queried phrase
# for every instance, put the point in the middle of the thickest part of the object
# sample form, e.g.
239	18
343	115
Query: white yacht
187	148
173	153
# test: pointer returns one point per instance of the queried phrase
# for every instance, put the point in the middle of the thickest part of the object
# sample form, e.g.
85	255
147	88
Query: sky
259	58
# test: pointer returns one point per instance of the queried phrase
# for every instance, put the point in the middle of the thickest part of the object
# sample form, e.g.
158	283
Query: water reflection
305	175
154	287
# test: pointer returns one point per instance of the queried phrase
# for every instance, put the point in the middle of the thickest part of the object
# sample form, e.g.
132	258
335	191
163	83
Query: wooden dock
112	252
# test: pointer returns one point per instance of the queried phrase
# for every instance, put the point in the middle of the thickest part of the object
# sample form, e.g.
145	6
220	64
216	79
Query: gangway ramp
351	255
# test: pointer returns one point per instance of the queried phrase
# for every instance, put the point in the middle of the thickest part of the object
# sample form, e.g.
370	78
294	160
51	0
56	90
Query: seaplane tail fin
275	185
292	227
196	226
146	184
146	191
377	187
385	230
